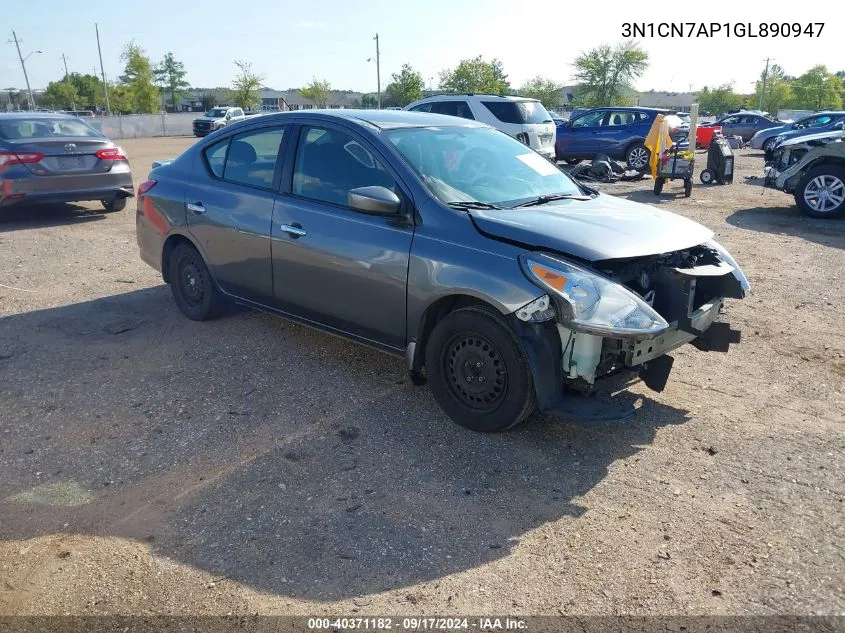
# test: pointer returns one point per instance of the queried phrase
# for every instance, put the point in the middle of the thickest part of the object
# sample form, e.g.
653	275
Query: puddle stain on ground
66	494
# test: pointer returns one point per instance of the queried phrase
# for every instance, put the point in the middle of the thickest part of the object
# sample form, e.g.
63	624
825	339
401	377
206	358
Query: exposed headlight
728	259
590	302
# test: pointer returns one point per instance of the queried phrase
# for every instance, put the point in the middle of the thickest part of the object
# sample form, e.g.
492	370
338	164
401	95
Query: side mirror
374	200
839	125
228	115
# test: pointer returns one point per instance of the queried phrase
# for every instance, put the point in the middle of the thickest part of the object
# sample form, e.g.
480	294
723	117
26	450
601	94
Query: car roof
36	114
446	96
626	109
381	119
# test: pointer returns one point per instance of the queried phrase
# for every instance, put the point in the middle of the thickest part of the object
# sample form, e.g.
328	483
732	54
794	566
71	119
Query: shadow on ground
33	216
269	453
789	220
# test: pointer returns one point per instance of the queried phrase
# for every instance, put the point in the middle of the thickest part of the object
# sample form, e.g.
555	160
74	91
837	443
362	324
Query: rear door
458	108
229	207
582	135
332	265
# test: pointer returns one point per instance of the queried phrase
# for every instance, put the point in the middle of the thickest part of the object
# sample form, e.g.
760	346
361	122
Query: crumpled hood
604	227
830	135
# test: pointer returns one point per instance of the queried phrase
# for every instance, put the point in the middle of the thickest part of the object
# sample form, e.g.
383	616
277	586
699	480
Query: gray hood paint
605	227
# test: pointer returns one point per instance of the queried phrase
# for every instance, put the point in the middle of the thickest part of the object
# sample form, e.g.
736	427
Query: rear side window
423	107
518	111
453	108
215	156
251	159
248	158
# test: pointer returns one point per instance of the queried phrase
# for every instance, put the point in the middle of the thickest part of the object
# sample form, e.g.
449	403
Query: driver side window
330	163
731	120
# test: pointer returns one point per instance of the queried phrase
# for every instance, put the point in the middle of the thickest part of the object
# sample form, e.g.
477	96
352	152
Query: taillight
111	153
522	137
11	158
145	186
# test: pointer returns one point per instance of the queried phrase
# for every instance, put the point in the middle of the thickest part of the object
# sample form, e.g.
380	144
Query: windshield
216	113
518	111
11	129
462	164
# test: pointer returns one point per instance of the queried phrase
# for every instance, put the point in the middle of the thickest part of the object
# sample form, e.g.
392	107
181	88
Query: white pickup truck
216	118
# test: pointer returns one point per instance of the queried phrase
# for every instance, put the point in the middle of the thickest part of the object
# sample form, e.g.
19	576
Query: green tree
318	92
476	75
138	78
61	95
246	85
89	89
369	101
121	99
170	75
405	86
719	100
545	90
818	89
778	93
606	74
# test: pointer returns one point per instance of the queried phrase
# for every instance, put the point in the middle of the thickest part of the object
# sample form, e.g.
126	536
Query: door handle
295	230
195	207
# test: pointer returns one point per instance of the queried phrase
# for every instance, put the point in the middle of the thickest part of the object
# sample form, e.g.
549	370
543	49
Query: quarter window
330	163
248	158
216	157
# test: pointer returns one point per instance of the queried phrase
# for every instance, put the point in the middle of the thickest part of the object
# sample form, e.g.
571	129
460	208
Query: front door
338	267
229	207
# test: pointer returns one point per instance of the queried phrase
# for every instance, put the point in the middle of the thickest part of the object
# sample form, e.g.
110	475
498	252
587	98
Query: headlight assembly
590	302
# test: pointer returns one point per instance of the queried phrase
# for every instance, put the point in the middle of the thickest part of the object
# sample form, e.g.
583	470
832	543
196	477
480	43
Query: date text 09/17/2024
417	623
722	29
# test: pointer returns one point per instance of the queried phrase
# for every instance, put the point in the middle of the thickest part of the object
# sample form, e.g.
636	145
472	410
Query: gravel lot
149	464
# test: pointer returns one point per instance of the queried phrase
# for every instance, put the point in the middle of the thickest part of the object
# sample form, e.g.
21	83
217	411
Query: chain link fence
145	125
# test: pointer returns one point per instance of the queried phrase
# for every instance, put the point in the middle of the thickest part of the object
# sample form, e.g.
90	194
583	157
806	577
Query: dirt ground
153	465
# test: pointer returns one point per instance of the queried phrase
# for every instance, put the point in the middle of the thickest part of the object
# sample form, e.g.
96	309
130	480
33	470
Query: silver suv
524	119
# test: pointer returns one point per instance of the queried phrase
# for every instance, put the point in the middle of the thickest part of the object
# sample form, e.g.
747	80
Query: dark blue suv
618	132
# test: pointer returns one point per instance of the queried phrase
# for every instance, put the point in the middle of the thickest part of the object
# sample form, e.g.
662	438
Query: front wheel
637	157
769	145
192	285
478	371
687	187
658	185
821	192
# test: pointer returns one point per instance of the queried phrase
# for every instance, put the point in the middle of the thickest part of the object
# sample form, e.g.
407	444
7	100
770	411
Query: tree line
604	75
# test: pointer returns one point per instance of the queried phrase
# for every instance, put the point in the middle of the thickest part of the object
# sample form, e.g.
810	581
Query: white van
524	119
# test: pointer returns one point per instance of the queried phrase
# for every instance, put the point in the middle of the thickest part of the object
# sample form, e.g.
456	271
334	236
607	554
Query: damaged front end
624	316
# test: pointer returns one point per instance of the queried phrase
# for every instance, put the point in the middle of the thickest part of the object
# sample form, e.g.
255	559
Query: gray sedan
503	283
59	158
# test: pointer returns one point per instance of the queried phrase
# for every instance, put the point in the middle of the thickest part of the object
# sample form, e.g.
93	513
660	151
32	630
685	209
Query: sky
292	42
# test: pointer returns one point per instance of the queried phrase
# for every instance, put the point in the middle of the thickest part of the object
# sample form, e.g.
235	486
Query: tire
658	185
821	192
707	176
193	288
769	145
115	204
637	157
687	187
468	347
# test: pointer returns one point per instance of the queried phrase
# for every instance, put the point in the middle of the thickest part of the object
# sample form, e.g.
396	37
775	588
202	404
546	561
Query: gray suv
504	284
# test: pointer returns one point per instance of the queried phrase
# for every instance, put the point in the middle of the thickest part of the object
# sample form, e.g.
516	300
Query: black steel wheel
707	176
687	187
658	185
193	288
478	371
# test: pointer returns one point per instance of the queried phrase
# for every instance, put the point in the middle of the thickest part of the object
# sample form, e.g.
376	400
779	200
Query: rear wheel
707	176
687	187
637	157
821	192
478	371
193	288
658	185
115	204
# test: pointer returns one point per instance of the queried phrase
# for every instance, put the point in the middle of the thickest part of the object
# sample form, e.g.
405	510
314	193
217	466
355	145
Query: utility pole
25	76
67	74
765	78
378	72
102	71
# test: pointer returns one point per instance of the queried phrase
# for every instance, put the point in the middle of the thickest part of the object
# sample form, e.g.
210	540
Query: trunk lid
598	229
64	155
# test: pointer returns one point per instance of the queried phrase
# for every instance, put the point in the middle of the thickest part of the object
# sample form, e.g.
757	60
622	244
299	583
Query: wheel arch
172	241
